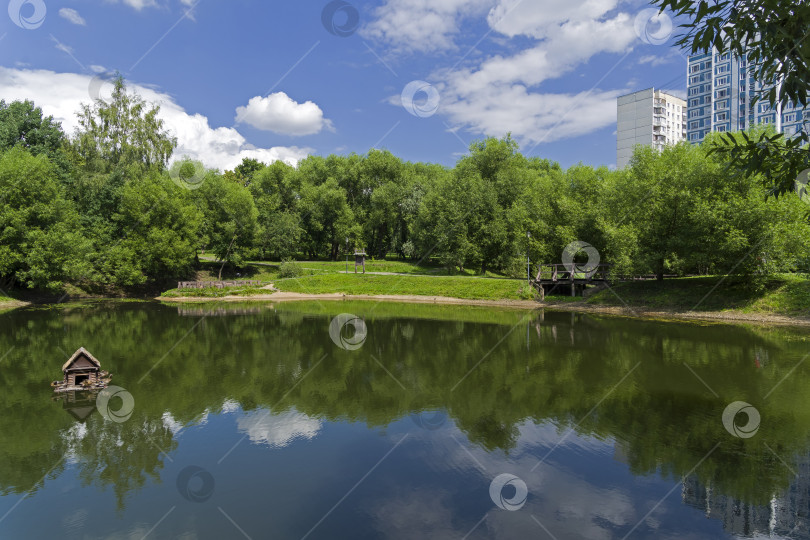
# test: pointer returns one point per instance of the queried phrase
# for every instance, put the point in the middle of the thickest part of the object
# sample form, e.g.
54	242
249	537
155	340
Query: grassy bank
6	303
787	295
453	286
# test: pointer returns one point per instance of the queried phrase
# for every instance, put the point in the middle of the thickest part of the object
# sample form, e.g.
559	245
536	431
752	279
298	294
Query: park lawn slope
449	286
787	295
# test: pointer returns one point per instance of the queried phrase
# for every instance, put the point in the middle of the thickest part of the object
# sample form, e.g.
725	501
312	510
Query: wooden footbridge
563	278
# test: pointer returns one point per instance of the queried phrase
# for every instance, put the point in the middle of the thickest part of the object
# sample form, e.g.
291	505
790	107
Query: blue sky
250	78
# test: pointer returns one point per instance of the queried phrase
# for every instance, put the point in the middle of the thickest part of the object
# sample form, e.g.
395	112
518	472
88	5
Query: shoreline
11	304
639	313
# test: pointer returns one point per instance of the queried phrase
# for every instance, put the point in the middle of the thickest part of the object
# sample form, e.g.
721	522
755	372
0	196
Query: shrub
289	269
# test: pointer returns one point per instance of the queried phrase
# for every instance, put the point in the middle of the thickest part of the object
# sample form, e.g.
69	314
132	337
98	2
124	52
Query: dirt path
716	316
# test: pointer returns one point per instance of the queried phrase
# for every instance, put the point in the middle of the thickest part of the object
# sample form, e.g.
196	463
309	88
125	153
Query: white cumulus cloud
495	93
72	15
281	114
421	25
136	4
540	18
61	94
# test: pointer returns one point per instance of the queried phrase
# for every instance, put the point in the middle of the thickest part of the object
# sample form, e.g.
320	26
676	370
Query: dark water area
400	421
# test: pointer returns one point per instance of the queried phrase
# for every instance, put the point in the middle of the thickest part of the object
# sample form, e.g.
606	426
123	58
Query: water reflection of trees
666	419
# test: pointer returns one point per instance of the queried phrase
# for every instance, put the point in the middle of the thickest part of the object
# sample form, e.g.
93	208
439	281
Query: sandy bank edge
11	304
714	316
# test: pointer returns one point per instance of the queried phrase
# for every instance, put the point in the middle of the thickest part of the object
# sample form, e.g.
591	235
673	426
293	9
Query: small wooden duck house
81	371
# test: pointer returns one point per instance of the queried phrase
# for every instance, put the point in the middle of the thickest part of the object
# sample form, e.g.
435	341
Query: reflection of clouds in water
74	522
72	437
420	513
564	500
170	423
548	434
278	430
229	406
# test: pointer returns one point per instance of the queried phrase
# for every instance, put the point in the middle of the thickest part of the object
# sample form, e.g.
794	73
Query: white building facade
648	117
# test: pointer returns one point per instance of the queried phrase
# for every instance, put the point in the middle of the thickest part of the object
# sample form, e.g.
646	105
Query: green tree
229	218
278	232
22	124
41	242
666	193
326	218
246	170
162	226
126	132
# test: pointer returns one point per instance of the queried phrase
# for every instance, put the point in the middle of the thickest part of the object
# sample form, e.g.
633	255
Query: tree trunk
225	259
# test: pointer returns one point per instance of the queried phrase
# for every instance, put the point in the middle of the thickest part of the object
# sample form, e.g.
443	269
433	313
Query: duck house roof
82	353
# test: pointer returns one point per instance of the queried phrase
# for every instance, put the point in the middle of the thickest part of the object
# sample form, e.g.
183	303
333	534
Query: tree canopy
106	208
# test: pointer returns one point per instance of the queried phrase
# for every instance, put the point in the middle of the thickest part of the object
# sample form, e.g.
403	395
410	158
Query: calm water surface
251	421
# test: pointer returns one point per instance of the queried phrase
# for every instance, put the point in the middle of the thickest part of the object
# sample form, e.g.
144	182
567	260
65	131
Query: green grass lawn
454	286
784	295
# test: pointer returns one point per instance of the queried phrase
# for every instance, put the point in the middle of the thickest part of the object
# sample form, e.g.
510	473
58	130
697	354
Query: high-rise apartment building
649	117
719	92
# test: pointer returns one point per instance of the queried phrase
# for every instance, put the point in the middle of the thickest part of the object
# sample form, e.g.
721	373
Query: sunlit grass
787	294
452	286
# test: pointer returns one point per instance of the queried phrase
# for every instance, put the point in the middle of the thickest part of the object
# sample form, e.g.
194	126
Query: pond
400	421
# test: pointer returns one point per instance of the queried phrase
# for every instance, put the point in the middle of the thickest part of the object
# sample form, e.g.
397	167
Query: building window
722	81
721	116
721	93
789	118
721	128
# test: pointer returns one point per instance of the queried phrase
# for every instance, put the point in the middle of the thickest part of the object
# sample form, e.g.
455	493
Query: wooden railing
572	272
